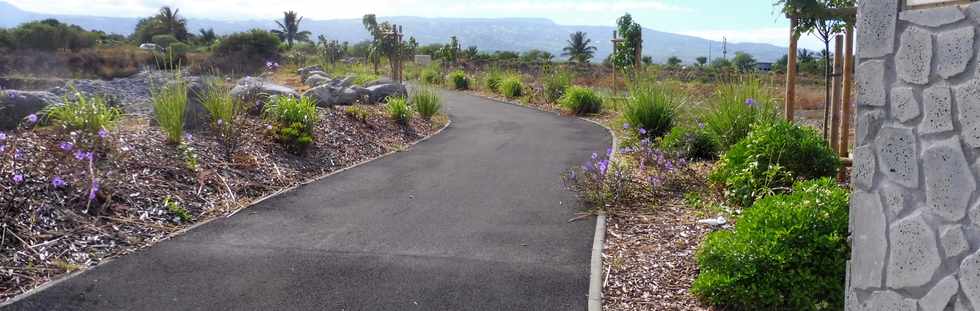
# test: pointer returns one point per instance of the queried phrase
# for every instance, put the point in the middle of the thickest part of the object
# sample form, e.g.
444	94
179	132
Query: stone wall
914	212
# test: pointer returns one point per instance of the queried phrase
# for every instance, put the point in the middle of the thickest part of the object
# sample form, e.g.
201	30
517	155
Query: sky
737	20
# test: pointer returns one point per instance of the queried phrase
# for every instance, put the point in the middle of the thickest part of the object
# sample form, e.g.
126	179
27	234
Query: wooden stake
836	96
789	110
848	86
615	44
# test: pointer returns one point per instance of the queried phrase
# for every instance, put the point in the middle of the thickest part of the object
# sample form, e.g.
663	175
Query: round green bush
512	87
772	157
459	80
651	108
491	81
555	85
581	100
253	44
431	76
787	252
690	143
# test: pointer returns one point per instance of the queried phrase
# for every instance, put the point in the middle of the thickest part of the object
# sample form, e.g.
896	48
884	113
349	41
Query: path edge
255	202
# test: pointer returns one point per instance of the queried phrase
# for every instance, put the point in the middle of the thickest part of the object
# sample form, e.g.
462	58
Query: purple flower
57	182
643	131
268	127
3	136
103	133
32	118
595	155
94	191
67	146
79	155
18	154
626	126
268	64
219	122
188	137
3	148
571	175
750	102
603	167
89	156
18	178
609	152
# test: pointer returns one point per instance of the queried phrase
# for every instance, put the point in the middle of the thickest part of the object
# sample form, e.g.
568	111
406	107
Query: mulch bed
48	230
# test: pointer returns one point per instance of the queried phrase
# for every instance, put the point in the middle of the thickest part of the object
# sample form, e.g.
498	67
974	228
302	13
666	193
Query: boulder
324	95
379	82
16	105
345	82
352	95
382	92
316	80
306	70
195	115
258	90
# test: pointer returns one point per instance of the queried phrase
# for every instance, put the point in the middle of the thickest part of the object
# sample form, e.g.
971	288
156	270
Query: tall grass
169	104
512	86
492	79
651	107
736	107
399	110
85	114
426	102
555	85
581	100
217	100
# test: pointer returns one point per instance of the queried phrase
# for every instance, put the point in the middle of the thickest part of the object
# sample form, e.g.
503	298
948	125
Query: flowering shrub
735	108
459	80
295	118
399	110
652	108
787	252
602	182
581	100
91	115
425	99
690	143
663	169
770	159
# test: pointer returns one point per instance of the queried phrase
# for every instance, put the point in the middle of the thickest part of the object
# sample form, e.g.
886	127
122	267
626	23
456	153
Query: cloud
778	36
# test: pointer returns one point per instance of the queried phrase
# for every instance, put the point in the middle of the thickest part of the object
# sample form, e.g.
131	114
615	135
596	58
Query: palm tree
289	29
579	48
173	23
805	56
208	36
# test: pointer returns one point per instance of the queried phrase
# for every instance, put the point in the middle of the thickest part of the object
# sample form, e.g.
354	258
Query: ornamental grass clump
735	108
492	79
224	110
787	252
555	85
691	142
399	110
169	104
511	86
295	119
91	115
652	108
581	101
431	75
426	101
459	80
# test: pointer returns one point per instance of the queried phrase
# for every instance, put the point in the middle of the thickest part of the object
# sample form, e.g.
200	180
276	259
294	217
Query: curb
71	275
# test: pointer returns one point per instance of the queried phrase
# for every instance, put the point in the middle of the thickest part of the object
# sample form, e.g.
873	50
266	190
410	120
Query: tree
744	62
537	56
674	61
805	56
631	33
207	36
780	65
702	61
647	60
289	29
451	50
166	22
721	63
579	48
471	52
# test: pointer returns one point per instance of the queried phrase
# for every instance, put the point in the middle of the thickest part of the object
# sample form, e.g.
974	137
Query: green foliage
217	100
690	143
6	39
787	252
254	44
169	104
631	33
744	62
721	64
579	48
702	61
179	211
399	110
189	155
581	100
289	29
459	80
492	80
431	75
51	35
674	62
426	101
653	108
90	115
555	85
737	106
512	87
771	158
166	21
358	113
164	40
295	118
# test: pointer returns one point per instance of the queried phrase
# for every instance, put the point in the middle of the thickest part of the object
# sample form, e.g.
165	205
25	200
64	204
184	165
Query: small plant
787	252
188	154
169	104
426	102
431	75
652	108
492	80
690	143
91	115
224	110
581	100
296	118
770	159
735	108
179	212
555	85
459	80
358	113
399	110
602	182
512	87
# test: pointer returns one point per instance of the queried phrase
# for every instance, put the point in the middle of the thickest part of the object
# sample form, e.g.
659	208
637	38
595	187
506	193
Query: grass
511	86
399	110
217	100
426	101
82	113
651	107
169	104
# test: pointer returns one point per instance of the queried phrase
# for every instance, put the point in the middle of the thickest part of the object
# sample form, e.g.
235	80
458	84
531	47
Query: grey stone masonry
915	209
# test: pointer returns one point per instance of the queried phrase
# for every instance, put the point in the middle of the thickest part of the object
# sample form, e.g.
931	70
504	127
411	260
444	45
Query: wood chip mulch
48	230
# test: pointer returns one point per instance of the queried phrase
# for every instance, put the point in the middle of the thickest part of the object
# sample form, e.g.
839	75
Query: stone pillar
914	211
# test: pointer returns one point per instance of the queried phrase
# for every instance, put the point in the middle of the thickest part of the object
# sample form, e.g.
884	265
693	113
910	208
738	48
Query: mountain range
497	34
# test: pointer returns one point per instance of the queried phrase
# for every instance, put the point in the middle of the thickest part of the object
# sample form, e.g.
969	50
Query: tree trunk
827	73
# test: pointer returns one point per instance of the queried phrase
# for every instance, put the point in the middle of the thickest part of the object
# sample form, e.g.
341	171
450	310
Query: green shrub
425	99
690	143
431	75
492	79
512	87
295	119
399	110
164	41
358	113
52	35
169	104
244	52
459	80
217	100
772	157
787	252
178	211
555	85
581	100
90	115
735	108
652	108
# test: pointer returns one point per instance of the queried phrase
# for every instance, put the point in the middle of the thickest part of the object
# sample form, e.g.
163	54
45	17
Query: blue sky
739	20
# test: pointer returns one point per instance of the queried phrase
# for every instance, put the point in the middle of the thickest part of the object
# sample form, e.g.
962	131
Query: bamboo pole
836	97
848	87
789	109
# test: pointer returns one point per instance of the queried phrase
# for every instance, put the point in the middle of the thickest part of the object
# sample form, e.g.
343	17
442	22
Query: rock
864	168
876	27
325	95
897	156
382	92
868	233
940	295
870	83
914	257
895	198
720	221
316	80
868	124
949	181
258	90
307	70
345	82
889	301
954	49
954	241
937	114
379	82
16	105
970	279
968	102
934	17
904	106
913	62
